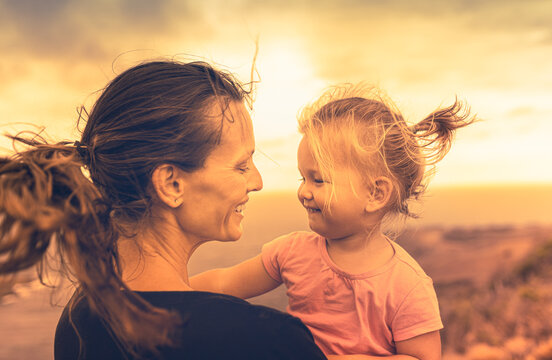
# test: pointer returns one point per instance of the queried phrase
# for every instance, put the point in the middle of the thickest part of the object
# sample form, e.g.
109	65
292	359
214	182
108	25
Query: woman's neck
156	258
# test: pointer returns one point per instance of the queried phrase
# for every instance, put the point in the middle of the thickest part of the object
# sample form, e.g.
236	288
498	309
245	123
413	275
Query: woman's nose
255	180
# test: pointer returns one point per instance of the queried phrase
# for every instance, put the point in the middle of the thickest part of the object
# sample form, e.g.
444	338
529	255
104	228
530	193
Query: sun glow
287	83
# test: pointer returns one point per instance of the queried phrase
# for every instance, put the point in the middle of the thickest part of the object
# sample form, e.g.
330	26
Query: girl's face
216	194
345	216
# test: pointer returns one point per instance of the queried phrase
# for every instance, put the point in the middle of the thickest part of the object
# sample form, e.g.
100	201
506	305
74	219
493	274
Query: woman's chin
233	234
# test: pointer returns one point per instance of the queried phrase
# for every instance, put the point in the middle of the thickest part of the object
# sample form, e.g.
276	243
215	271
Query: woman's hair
357	128
152	114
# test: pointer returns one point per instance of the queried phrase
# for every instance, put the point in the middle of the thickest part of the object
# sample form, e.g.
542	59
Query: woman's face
212	207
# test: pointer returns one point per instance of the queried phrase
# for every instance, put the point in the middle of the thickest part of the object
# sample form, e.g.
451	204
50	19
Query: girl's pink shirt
352	313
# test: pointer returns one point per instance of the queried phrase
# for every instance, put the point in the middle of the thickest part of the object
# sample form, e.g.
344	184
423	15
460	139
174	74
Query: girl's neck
367	240
361	252
156	259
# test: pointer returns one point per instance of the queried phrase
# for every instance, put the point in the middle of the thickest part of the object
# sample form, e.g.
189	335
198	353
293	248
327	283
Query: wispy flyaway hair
358	128
152	114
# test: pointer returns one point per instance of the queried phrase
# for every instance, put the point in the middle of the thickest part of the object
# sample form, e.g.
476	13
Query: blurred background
485	231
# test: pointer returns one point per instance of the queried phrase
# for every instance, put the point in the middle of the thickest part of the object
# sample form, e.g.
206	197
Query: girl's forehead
305	154
342	165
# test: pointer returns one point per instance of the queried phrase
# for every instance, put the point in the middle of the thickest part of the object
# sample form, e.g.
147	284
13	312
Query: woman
168	147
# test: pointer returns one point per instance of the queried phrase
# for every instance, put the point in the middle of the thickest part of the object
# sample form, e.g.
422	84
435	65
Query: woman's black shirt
215	326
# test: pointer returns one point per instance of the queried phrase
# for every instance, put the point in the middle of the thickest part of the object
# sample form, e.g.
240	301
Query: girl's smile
334	216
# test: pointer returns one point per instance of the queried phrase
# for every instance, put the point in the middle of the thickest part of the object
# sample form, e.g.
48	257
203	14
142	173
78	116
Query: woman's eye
319	181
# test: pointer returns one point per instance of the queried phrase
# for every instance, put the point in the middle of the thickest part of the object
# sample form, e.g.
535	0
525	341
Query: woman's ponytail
45	199
43	194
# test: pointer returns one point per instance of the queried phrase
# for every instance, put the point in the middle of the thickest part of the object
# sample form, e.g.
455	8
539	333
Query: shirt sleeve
418	313
274	254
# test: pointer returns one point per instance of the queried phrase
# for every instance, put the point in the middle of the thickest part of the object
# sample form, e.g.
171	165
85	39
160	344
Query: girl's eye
319	181
301	179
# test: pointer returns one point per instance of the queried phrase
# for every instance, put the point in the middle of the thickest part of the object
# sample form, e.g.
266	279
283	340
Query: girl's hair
152	114
357	128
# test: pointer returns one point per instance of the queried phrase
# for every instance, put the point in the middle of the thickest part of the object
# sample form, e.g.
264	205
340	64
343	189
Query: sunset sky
494	54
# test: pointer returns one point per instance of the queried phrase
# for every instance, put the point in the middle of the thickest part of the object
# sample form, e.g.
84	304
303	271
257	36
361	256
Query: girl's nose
304	193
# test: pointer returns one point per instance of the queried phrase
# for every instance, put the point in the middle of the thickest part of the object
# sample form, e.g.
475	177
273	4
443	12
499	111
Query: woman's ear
168	185
380	195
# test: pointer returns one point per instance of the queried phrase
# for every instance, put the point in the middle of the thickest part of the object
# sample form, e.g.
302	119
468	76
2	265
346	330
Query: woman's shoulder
221	326
219	313
217	325
219	307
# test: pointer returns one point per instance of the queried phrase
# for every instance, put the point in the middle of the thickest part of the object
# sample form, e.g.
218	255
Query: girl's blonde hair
357	128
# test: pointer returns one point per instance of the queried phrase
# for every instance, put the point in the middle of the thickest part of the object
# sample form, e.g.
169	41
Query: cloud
411	43
522	111
45	29
493	53
354	32
83	30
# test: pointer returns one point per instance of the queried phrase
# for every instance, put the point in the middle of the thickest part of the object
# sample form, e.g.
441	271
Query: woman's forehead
237	140
237	123
230	117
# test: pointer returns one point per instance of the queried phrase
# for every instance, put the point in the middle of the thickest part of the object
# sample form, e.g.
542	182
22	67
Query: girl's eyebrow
310	172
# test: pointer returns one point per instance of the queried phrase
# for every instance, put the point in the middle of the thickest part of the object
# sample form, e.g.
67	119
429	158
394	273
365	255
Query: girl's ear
380	195
168	185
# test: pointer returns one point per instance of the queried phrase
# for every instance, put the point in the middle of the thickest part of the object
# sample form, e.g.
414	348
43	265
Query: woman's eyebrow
246	156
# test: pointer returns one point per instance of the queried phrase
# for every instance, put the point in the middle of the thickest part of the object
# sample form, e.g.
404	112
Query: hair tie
83	152
414	129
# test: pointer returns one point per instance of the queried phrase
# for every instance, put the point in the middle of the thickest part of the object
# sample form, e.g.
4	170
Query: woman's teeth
239	209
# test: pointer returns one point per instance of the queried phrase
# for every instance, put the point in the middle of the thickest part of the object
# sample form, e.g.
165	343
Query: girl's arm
244	280
369	357
422	347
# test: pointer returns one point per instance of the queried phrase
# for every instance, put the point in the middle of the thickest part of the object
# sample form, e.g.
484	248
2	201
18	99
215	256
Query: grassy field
484	271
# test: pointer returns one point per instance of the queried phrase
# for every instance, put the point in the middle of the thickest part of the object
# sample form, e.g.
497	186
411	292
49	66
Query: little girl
357	290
